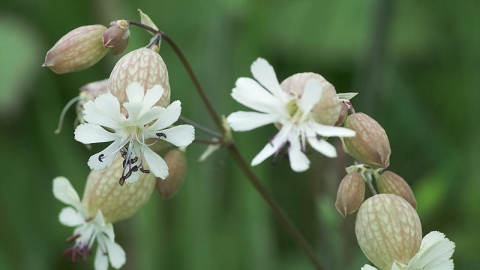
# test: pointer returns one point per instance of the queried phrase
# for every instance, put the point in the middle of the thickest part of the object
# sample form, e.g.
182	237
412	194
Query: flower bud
370	146
143	66
177	168
350	194
388	230
327	110
116	202
117	36
391	183
79	49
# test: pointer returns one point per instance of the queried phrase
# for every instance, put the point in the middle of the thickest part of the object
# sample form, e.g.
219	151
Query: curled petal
116	254
323	147
101	260
273	146
108	155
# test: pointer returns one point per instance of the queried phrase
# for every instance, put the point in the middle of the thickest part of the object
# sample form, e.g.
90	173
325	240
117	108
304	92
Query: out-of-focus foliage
414	64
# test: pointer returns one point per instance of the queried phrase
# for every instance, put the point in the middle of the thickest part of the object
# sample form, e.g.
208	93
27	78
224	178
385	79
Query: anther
161	134
100	157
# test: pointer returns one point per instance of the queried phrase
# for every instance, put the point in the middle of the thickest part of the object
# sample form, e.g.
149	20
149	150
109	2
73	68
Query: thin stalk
195	81
202	128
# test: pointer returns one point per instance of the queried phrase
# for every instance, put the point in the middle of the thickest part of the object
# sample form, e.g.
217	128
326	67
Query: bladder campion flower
131	131
290	111
88	229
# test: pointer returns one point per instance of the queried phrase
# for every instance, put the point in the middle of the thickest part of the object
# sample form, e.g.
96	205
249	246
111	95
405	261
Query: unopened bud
350	194
327	110
177	169
79	49
370	146
143	66
91	91
117	36
391	183
116	202
388	230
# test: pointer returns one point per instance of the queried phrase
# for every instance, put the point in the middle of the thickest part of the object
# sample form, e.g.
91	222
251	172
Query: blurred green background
414	64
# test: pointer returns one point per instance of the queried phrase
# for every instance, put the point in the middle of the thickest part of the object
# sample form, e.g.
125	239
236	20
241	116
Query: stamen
161	134
100	157
144	171
64	111
73	238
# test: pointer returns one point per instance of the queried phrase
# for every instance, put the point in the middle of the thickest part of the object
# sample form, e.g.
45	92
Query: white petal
133	109
71	217
64	192
273	146
135	92
249	93
109	155
133	178
243	121
152	96
322	146
104	111
149	116
181	135
263	72
156	163
168	117
435	250
298	160
368	267
329	131
116	254
101	260
90	133
312	94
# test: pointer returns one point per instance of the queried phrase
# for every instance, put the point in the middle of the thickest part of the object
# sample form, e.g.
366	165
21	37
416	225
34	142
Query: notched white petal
71	217
323	147
152	96
135	92
182	135
243	121
264	73
116	254
89	133
64	191
101	260
108	155
157	165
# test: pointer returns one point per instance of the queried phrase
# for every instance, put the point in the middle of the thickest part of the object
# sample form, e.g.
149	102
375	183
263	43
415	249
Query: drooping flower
87	229
290	111
132	130
435	254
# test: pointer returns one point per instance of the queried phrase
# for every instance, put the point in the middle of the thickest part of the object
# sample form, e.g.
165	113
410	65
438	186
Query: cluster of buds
387	226
132	110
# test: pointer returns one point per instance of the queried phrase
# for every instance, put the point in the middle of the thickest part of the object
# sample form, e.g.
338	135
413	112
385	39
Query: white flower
293	113
435	254
141	122
87	229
